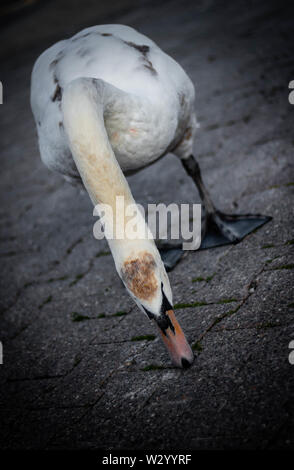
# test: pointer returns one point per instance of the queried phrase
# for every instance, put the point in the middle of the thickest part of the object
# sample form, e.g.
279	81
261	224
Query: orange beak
175	341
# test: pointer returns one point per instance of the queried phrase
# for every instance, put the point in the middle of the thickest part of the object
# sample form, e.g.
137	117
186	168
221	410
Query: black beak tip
185	363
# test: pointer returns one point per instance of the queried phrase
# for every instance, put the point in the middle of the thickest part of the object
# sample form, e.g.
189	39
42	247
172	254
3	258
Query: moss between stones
143	338
289	242
69	250
76	317
268	324
268	261
28	284
227	301
203	279
198	279
102	253
188	305
46	301
231	312
152	367
54	279
284	266
77	278
119	314
197	346
225	315
77	361
285	185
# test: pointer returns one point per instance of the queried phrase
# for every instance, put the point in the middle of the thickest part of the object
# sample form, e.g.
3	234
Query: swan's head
145	278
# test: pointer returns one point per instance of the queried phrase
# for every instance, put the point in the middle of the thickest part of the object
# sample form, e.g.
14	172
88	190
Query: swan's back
117	54
120	56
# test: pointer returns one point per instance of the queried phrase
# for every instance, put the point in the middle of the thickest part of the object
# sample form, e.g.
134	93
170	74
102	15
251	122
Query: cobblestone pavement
75	373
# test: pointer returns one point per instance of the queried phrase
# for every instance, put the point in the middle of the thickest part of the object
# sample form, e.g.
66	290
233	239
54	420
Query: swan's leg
220	228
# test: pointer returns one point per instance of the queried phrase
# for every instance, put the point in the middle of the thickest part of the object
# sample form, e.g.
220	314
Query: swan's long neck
83	107
85	103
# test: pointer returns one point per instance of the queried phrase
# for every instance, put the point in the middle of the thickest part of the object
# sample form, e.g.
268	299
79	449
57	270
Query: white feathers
149	120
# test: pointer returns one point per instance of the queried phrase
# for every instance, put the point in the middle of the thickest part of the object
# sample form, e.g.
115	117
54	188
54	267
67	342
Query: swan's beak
175	341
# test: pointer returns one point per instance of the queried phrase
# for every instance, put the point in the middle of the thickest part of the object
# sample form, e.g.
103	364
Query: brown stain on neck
138	274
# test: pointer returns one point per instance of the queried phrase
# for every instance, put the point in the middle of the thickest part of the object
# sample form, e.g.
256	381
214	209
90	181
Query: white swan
108	102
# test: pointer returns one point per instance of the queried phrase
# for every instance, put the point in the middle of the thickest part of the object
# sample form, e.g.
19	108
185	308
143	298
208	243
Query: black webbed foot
224	229
221	229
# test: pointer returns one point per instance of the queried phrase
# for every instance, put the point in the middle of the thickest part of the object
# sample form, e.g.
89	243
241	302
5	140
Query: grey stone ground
84	384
